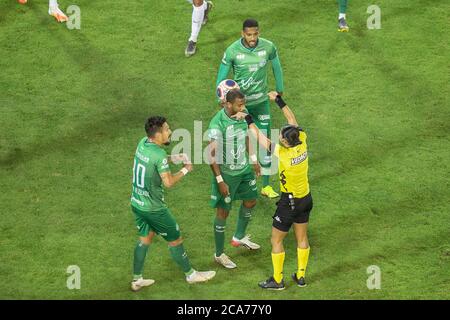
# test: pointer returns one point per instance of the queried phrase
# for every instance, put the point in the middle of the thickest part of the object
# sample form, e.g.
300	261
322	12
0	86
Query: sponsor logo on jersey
164	164
231	133
299	159
141	192
142	157
253	68
238	153
141	203
240	56
263	117
236	167
254	96
262	53
250	82
214	134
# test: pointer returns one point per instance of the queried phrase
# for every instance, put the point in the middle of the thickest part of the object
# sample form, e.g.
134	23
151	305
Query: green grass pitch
375	104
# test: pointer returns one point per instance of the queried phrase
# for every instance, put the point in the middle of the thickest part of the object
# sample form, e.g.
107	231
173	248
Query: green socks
244	217
265	181
219	235
139	259
342	6
180	256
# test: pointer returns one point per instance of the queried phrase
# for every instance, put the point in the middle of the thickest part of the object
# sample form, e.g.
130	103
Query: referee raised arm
295	203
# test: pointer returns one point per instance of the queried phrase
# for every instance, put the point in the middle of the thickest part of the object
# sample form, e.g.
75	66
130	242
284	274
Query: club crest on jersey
262	53
253	68
299	159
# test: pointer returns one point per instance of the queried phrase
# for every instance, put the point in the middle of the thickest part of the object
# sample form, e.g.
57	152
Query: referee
295	203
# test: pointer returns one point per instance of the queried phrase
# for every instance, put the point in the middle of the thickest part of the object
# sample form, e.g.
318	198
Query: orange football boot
58	14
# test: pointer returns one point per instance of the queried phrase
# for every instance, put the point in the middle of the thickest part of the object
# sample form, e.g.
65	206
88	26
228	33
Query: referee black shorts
288	213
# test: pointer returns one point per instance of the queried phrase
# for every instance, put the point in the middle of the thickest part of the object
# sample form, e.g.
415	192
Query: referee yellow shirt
293	168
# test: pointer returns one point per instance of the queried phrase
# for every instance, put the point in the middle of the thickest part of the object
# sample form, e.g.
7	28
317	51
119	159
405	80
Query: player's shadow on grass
133	109
374	222
388	253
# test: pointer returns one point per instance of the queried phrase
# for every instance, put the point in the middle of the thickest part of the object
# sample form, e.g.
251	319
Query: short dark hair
292	135
153	125
234	94
250	23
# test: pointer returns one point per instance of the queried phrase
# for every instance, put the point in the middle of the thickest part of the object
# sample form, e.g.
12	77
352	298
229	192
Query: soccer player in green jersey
233	176
249	58
342	25
150	172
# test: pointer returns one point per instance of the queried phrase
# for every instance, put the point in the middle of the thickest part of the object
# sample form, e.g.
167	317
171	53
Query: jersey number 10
139	172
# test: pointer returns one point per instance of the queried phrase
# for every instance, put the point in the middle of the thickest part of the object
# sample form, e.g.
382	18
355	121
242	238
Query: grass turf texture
375	104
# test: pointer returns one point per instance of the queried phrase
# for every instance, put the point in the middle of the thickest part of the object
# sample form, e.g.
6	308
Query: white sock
53	3
197	18
341	15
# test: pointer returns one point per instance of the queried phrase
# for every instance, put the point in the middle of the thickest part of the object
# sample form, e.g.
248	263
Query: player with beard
150	172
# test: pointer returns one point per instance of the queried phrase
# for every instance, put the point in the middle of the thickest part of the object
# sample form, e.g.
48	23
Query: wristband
219	179
184	171
280	102
249	119
253	158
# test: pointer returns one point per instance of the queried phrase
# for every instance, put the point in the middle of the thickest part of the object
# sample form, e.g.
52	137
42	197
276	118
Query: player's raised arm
225	67
224	70
287	112
262	139
169	179
277	72
178	158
